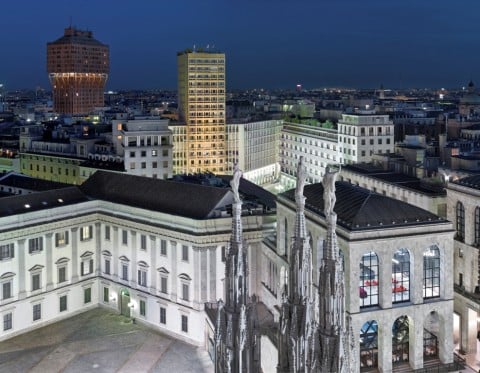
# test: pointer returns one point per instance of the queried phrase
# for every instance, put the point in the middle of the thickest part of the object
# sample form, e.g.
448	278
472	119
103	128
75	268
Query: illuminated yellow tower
201	103
78	67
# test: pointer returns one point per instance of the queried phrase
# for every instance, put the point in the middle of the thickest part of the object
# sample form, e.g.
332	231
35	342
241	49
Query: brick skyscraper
78	67
201	99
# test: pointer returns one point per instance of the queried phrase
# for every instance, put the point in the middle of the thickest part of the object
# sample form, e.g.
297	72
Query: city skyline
316	44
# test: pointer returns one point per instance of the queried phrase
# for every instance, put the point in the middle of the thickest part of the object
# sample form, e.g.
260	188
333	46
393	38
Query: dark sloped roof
358	208
30	183
469	181
20	204
252	192
182	199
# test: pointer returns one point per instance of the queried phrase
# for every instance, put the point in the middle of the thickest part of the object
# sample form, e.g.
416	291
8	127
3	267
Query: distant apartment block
318	146
362	136
145	144
254	146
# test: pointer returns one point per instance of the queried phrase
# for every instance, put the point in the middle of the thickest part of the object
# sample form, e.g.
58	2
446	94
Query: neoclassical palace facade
128	243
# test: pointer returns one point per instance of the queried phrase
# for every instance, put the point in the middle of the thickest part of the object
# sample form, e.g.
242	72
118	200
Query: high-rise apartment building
201	100
78	67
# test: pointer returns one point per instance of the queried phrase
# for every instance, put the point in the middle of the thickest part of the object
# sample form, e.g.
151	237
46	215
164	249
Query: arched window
460	214
431	272
401	276
477	225
369	280
369	345
400	340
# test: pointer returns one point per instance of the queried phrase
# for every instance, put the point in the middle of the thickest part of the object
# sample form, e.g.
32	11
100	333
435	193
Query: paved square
101	341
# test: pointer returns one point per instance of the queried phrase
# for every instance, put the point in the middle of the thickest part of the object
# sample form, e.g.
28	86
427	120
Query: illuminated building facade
78	67
201	100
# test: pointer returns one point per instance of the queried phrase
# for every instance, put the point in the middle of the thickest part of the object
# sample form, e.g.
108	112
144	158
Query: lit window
61	238
86	233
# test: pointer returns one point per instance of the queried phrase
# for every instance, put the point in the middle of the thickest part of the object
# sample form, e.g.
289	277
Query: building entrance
124	302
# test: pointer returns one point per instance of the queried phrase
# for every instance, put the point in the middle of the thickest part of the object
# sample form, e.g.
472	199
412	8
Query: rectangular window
163	285
184	324
143	165
36	281
132	165
154	164
165	164
124	237
142	277
86	233
143	153
132	154
142	308
185	253
163	247
106	295
7	290
61	238
62	274
124	272
7	321
37	312
63	303
143	242
185	289
107	266
87	295
6	251
154	153
86	267
107	232
35	245
163	315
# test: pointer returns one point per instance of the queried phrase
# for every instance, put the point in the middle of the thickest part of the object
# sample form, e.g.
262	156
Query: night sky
268	43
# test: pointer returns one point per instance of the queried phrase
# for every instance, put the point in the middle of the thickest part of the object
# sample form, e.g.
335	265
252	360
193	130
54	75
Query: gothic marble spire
308	344
335	339
297	319
237	337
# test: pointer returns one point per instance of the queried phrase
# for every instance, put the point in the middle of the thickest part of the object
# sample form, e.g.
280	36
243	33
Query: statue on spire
301	177
235	182
329	197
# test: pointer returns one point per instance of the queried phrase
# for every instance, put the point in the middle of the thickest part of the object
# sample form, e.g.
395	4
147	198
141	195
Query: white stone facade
421	309
362	136
146	146
65	251
317	145
466	261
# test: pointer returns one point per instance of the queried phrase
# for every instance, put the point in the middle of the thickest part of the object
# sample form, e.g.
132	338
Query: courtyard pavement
100	341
